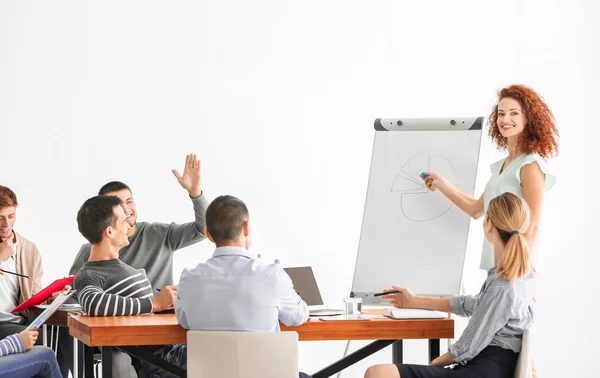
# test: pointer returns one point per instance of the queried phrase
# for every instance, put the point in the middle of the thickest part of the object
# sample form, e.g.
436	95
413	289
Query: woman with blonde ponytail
499	314
510	216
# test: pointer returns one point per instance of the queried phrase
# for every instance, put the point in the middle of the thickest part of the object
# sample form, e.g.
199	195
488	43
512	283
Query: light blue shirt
233	292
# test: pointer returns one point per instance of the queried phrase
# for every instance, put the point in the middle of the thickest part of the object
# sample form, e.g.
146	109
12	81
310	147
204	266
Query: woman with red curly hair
522	124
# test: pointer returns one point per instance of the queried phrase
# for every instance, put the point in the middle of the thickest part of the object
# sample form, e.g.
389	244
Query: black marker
386	293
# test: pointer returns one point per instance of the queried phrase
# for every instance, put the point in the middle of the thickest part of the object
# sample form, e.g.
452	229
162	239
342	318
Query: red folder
45	293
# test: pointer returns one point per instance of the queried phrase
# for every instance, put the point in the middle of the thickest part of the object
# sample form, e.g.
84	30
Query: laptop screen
305	284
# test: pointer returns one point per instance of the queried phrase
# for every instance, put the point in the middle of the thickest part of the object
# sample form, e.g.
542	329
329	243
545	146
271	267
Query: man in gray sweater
151	245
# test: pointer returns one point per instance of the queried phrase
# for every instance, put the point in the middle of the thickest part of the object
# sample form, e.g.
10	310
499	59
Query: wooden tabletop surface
163	329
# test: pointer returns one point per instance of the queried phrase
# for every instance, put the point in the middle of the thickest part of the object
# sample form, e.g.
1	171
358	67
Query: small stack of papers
406	313
70	306
359	317
64	306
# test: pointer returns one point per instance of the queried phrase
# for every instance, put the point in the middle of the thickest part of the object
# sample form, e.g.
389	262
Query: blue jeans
176	355
37	362
64	353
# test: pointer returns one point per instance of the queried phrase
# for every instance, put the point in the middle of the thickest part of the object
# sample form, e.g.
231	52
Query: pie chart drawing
419	204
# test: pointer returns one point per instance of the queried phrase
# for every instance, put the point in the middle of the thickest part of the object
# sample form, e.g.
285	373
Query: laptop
306	287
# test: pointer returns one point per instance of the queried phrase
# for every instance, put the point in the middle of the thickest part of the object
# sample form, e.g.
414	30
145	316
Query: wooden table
130	332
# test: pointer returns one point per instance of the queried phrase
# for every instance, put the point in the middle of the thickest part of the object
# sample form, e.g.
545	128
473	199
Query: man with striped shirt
151	244
105	285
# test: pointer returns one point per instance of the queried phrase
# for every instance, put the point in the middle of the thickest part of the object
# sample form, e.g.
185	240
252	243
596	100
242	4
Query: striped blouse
499	314
11	344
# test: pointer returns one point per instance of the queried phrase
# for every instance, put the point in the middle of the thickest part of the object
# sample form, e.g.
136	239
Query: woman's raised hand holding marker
433	181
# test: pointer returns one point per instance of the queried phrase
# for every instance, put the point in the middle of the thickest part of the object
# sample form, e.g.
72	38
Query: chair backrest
525	360
221	354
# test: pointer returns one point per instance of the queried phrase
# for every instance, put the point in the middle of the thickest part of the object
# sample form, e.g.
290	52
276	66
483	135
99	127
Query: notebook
407	313
359	317
44	294
51	309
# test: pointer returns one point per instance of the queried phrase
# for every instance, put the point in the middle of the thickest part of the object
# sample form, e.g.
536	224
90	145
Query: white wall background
278	99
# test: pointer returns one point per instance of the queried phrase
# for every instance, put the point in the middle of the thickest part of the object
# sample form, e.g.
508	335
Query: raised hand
191	180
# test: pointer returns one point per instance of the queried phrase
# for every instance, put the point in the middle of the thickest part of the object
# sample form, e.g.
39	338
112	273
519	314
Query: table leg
107	357
434	349
397	352
352	358
88	361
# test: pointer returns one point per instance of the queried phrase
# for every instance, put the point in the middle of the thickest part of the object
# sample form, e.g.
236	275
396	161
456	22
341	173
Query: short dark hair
95	215
113	186
225	217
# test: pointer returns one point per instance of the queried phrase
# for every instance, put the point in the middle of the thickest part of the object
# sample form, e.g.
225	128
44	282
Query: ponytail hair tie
516	232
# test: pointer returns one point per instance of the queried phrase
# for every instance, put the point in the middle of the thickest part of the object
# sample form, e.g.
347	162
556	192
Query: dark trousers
7	329
177	355
64	354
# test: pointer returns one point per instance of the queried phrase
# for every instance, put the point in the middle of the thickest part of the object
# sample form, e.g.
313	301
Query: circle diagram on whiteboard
418	203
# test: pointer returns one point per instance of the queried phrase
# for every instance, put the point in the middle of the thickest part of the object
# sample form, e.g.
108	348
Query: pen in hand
386	293
16	274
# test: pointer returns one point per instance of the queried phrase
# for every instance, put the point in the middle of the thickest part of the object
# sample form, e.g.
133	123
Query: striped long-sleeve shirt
499	315
111	287
11	344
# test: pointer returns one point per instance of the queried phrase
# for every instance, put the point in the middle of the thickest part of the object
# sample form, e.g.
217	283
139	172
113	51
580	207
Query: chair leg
75	356
56	341
51	346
